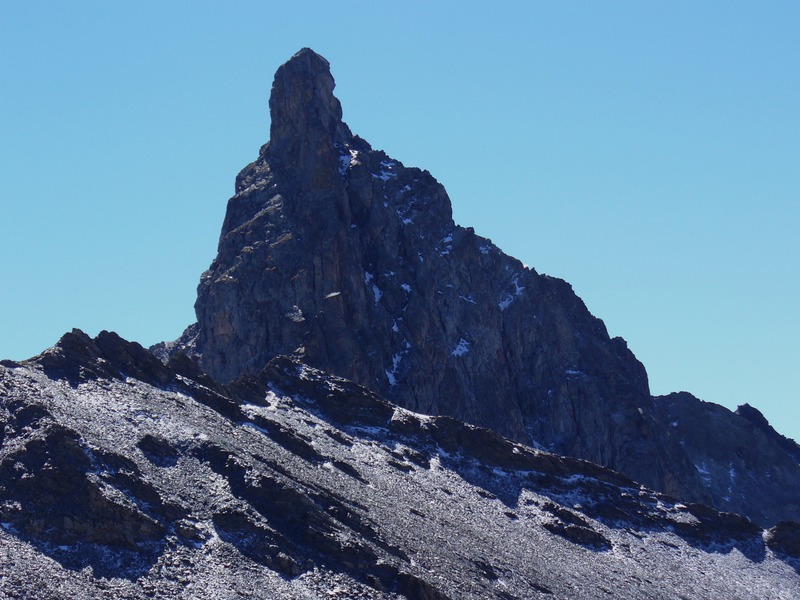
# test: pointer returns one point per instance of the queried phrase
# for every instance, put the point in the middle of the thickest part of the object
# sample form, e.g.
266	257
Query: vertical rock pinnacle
306	116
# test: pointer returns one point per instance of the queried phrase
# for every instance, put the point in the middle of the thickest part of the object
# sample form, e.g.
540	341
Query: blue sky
648	153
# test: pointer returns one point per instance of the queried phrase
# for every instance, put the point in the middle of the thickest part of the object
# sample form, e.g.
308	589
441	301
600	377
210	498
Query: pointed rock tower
333	252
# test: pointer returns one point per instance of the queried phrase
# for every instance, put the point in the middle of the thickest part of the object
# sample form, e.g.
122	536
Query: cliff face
745	465
338	254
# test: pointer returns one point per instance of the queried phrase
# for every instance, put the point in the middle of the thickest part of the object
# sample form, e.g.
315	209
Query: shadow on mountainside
81	507
503	469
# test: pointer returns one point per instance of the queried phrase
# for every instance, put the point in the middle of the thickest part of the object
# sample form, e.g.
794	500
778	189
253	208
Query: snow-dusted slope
122	477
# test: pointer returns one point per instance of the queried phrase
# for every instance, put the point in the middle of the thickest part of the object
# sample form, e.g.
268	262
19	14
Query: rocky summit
336	254
375	402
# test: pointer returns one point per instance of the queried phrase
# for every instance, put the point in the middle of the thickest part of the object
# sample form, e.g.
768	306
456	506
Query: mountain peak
337	254
305	115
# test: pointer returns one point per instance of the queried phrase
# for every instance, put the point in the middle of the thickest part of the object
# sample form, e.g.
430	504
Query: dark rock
759	420
784	537
577	534
158	450
337	254
76	356
50	491
131	360
744	464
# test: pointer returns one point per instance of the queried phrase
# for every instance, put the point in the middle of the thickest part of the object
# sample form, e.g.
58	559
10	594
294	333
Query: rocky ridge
122	476
336	254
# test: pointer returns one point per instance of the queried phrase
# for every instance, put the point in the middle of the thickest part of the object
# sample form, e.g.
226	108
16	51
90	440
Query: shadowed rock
335	253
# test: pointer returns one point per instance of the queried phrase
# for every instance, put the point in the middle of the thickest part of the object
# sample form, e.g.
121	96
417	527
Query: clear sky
646	152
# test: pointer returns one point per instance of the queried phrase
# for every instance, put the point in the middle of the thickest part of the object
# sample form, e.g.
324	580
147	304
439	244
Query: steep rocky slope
739	456
341	256
124	477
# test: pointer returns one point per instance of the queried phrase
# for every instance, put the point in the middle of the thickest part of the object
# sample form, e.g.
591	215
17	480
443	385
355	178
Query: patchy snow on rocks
309	486
505	302
461	348
387	171
369	279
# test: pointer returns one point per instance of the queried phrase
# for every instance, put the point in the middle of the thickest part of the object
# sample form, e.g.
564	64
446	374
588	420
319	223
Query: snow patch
252	425
704	473
386	173
344	163
518	289
348	160
295	314
404	219
445	245
461	348
376	291
505	302
391	375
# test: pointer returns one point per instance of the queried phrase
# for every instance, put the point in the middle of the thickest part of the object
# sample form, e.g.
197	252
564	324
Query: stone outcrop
745	465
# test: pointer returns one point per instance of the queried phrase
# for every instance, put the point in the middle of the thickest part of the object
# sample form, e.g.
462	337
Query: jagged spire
306	116
349	259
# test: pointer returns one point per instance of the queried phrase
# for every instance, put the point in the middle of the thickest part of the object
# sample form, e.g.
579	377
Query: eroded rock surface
294	483
745	465
335	253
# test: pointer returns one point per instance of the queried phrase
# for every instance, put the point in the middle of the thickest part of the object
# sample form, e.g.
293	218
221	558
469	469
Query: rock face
122	477
745	465
337	254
